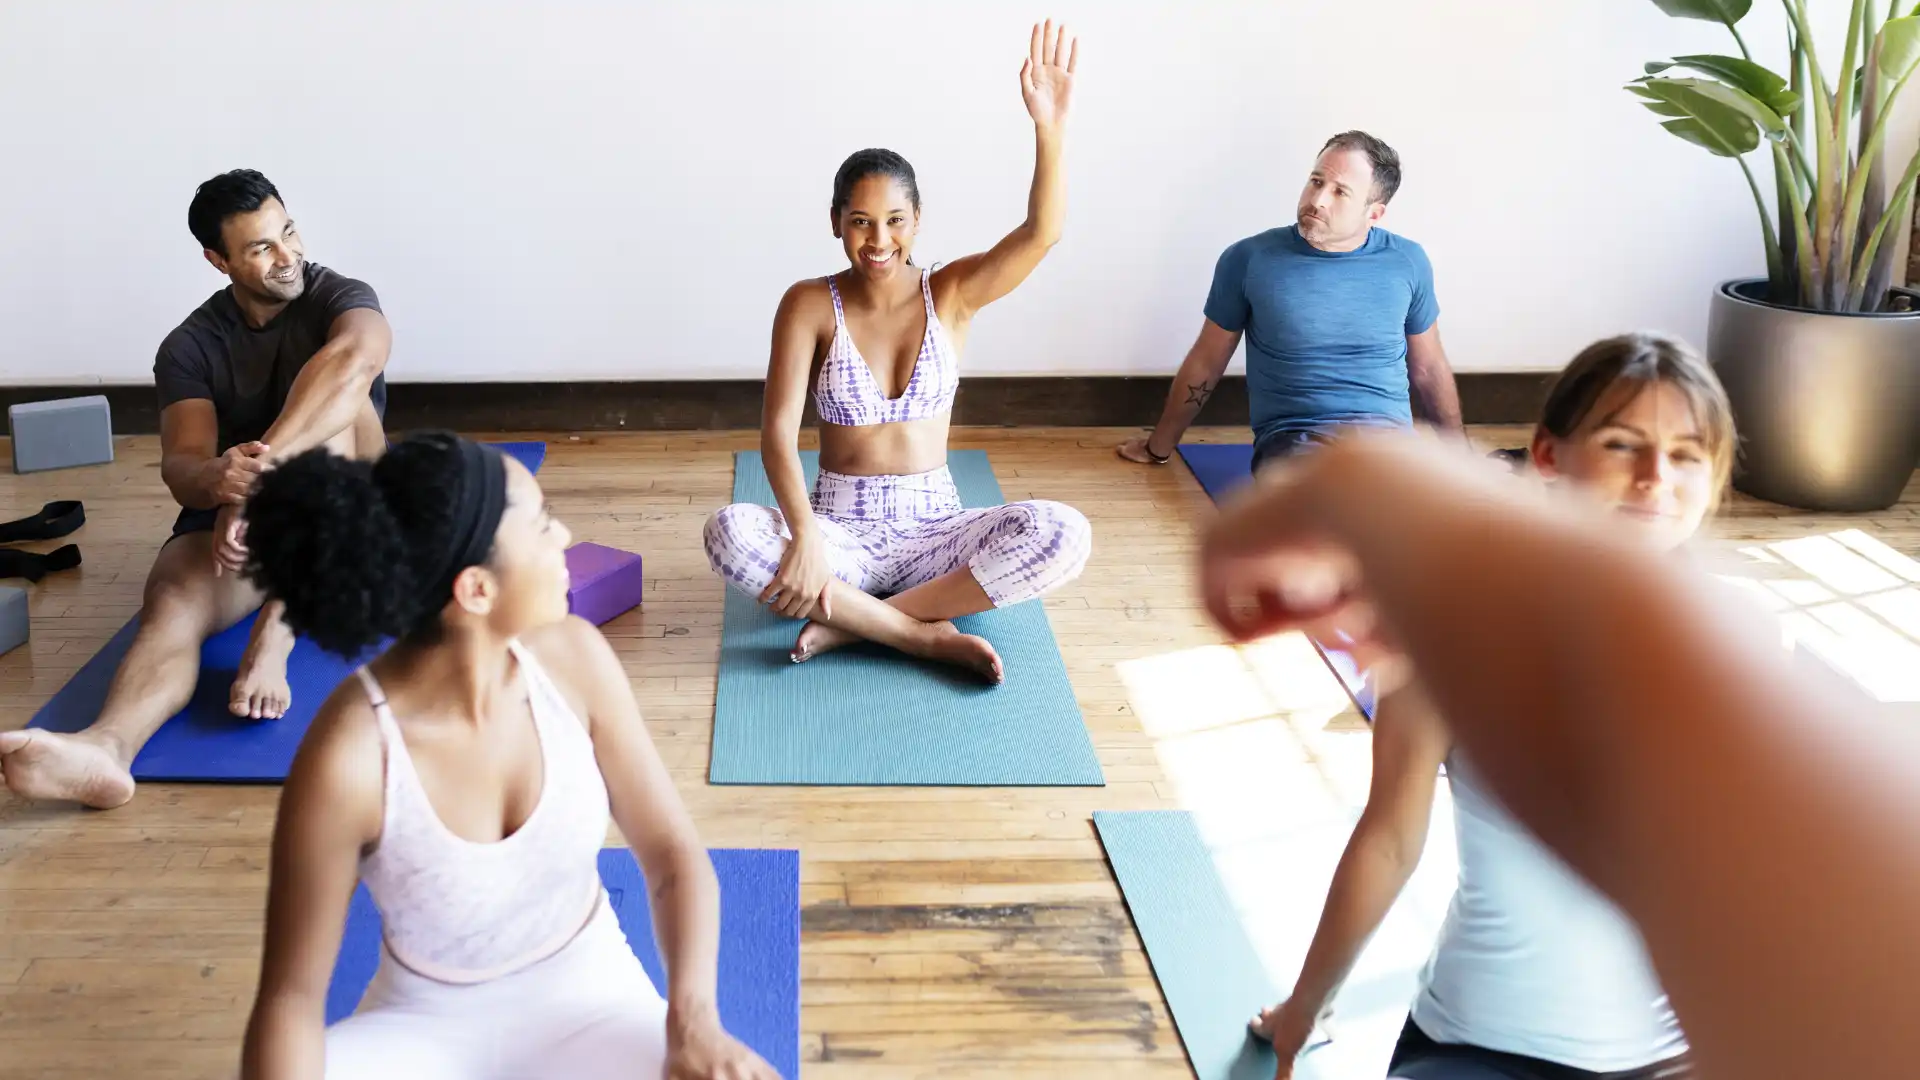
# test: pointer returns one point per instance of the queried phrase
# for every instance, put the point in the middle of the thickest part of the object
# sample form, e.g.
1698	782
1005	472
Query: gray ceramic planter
1827	406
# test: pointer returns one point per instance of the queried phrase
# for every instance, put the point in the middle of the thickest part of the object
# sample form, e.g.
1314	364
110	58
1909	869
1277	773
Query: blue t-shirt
1326	331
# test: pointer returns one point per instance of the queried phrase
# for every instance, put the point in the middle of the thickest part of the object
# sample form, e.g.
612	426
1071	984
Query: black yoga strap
56	519
33	567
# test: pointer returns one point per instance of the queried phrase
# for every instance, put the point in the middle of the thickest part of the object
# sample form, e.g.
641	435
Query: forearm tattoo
1198	393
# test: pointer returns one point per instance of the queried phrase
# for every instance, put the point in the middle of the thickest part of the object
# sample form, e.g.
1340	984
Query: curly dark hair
864	163
349	545
241	191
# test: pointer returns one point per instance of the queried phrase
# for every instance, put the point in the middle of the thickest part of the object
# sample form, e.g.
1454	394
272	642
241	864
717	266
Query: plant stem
1799	81
1776	266
1843	102
1857	293
1801	167
1849	223
1742	42
1809	269
1898	211
1826	194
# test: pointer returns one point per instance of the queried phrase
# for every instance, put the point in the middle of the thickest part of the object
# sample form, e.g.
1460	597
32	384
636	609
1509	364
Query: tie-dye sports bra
846	392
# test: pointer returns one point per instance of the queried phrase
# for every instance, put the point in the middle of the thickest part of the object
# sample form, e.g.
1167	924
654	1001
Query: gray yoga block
61	434
13	618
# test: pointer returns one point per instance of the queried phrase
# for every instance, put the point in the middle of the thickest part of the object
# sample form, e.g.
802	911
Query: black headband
480	497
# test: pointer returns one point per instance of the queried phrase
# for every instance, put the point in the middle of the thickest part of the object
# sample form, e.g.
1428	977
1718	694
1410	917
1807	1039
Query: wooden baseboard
734	404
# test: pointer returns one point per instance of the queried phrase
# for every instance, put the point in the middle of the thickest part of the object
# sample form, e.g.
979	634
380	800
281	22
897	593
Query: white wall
618	190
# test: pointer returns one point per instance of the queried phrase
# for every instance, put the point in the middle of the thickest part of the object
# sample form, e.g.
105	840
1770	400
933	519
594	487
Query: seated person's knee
744	546
171	604
1067	536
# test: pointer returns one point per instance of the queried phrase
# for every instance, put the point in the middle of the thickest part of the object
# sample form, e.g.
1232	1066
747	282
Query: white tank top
1532	960
458	911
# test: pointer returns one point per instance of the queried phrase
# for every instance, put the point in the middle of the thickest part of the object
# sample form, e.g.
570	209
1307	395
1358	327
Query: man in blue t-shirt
1340	317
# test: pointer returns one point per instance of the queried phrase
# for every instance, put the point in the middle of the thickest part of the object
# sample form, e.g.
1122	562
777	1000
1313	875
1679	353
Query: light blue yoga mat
1202	957
866	715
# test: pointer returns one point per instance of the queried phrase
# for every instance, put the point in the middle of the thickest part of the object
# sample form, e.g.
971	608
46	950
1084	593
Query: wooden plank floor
946	933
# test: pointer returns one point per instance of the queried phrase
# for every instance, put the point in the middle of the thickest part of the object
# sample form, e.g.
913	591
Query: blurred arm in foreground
1759	823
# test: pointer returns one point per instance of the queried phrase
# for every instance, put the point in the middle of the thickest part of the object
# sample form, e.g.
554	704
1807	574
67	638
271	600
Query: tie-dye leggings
886	534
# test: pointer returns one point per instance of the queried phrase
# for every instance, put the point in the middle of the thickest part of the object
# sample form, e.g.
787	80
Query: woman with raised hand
467	777
879	344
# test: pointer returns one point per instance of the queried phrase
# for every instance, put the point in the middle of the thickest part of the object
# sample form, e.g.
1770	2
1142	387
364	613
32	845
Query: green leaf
1655	103
1720	11
1697	95
1899	48
1766	87
1714	142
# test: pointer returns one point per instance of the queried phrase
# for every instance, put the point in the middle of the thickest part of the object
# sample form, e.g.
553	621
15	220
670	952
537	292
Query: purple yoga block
606	582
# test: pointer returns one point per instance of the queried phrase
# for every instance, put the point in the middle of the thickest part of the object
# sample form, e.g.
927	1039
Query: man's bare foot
260	691
70	768
816	638
945	642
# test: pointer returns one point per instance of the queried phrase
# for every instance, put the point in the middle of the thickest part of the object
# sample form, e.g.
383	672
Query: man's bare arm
198	475
1193	385
1436	398
328	393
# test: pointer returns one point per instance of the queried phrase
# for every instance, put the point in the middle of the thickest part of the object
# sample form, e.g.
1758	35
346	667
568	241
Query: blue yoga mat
759	945
1222	467
204	742
1202	957
868	715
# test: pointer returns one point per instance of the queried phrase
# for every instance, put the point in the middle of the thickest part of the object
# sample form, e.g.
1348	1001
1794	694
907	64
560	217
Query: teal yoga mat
1201	955
865	715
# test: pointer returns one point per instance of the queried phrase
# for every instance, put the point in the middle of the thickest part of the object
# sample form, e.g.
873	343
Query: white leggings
588	1012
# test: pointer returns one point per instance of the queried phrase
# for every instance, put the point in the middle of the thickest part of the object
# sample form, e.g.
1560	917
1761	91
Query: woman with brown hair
1536	975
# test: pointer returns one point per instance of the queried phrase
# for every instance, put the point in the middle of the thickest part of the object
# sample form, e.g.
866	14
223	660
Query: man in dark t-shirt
290	356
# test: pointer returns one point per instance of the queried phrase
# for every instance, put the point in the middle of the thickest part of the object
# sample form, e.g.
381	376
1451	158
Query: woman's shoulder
577	659
340	762
809	291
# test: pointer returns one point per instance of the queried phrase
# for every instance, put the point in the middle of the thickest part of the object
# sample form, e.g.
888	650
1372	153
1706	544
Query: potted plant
1821	358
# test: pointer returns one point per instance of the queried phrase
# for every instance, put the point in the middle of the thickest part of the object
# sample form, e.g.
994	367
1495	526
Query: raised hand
1046	79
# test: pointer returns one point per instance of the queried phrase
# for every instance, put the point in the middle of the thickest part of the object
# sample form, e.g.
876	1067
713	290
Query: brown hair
1643	360
1381	158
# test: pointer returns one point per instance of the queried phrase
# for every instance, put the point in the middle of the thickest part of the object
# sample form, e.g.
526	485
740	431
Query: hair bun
322	538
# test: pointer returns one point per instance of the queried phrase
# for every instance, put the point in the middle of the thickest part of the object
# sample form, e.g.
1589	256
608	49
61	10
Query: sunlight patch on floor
1847	598
1263	747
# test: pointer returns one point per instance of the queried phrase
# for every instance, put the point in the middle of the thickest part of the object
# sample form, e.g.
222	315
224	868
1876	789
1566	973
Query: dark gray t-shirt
245	372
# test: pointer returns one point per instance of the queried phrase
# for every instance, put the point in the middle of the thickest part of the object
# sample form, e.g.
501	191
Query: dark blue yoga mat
204	742
1222	467
868	715
759	945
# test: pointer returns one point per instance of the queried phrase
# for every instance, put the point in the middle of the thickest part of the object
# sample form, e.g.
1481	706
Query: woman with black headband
467	777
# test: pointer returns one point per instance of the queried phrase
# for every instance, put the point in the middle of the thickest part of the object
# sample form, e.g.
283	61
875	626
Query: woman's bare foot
816	638
260	690
944	641
70	768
